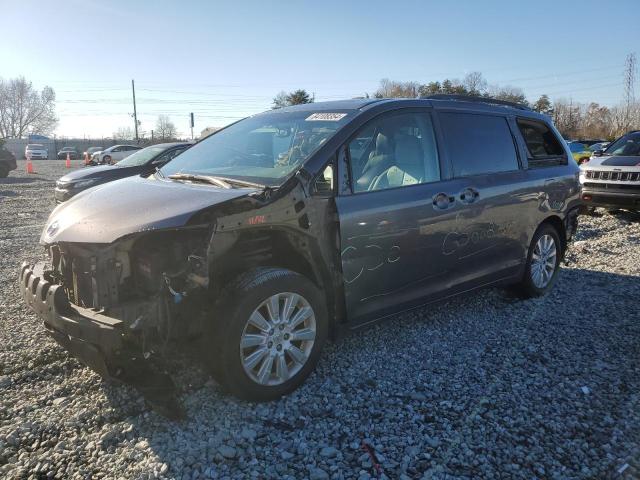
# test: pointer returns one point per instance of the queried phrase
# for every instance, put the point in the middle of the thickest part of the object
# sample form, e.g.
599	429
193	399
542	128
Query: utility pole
191	125
629	81
151	136
135	113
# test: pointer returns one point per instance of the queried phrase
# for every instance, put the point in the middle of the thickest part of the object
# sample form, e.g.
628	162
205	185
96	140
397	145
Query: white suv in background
114	154
36	151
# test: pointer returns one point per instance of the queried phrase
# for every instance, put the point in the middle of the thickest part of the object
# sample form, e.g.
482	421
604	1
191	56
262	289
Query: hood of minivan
614	161
110	211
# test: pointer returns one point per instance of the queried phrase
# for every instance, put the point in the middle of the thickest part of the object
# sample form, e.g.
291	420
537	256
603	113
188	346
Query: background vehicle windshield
141	157
32	146
265	148
577	147
626	145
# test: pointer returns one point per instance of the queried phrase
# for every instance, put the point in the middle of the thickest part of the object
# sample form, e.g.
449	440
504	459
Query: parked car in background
292	226
580	152
71	151
114	154
598	146
142	162
611	178
88	153
588	142
36	151
7	162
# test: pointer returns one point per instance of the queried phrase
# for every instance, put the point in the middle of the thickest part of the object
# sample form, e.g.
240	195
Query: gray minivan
296	225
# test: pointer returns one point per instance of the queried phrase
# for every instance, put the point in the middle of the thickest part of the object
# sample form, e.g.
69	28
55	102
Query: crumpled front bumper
90	336
102	343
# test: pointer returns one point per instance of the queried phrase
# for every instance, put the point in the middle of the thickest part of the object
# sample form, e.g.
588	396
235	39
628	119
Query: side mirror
598	153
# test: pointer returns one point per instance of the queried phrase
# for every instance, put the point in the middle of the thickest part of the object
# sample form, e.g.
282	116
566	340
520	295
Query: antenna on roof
472	98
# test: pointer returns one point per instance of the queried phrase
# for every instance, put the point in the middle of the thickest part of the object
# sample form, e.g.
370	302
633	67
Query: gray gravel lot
482	386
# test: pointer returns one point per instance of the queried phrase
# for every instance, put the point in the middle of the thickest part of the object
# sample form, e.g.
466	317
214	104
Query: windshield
68	149
141	157
34	145
626	145
264	149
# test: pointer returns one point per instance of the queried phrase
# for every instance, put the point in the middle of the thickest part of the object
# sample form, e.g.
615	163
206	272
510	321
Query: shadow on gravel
480	377
8	193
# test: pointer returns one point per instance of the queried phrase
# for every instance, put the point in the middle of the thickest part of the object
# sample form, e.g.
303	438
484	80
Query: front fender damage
122	307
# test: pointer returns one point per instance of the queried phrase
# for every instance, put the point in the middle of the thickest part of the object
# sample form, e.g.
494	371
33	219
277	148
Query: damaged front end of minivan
117	307
121	303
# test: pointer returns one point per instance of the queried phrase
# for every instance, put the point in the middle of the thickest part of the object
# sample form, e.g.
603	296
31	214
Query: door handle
469	195
443	201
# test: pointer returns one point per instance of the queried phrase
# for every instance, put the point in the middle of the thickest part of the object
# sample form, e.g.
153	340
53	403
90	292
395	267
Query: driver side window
394	150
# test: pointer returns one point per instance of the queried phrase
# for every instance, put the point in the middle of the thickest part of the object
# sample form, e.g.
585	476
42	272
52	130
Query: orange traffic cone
30	166
68	162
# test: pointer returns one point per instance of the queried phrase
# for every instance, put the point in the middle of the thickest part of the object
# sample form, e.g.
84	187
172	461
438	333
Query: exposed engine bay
154	282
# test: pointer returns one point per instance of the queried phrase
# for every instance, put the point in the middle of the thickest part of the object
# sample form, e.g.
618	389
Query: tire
4	171
106	159
530	286
269	346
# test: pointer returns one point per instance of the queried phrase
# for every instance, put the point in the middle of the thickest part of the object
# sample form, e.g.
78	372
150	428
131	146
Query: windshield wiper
241	183
201	178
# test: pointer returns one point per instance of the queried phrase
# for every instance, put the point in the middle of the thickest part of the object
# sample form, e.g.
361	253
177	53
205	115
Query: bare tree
394	89
165	128
567	116
280	100
474	83
123	133
23	110
508	93
596	121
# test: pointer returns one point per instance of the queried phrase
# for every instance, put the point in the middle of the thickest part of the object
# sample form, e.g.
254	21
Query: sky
224	60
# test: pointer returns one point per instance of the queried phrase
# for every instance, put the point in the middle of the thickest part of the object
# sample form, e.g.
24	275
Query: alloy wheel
278	338
543	261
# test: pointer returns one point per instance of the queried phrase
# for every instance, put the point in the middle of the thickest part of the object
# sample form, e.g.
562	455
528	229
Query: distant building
208	131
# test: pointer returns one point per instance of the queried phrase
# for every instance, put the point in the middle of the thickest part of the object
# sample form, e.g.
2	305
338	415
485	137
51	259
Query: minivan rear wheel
268	333
543	262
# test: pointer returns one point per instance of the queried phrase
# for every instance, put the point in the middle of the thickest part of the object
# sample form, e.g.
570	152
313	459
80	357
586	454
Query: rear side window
543	147
478	144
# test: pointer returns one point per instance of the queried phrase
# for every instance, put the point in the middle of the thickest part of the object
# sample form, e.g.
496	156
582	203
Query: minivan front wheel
268	333
543	262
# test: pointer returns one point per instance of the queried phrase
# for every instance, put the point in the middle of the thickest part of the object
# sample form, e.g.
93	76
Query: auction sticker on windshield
325	117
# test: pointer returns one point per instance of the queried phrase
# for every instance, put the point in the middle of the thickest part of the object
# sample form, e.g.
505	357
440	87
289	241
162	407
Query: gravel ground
482	386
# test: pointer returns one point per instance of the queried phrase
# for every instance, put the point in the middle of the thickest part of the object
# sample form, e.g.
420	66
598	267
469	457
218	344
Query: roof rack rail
473	98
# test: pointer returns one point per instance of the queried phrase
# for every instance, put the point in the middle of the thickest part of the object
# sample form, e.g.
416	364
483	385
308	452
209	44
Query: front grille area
91	275
614	176
621	187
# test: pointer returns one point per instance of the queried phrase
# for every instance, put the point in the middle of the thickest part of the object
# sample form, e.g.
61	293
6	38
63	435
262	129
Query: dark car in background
141	162
70	151
611	178
296	225
7	162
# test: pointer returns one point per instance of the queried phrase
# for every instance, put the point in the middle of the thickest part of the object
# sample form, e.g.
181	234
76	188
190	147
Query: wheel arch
556	222
233	252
